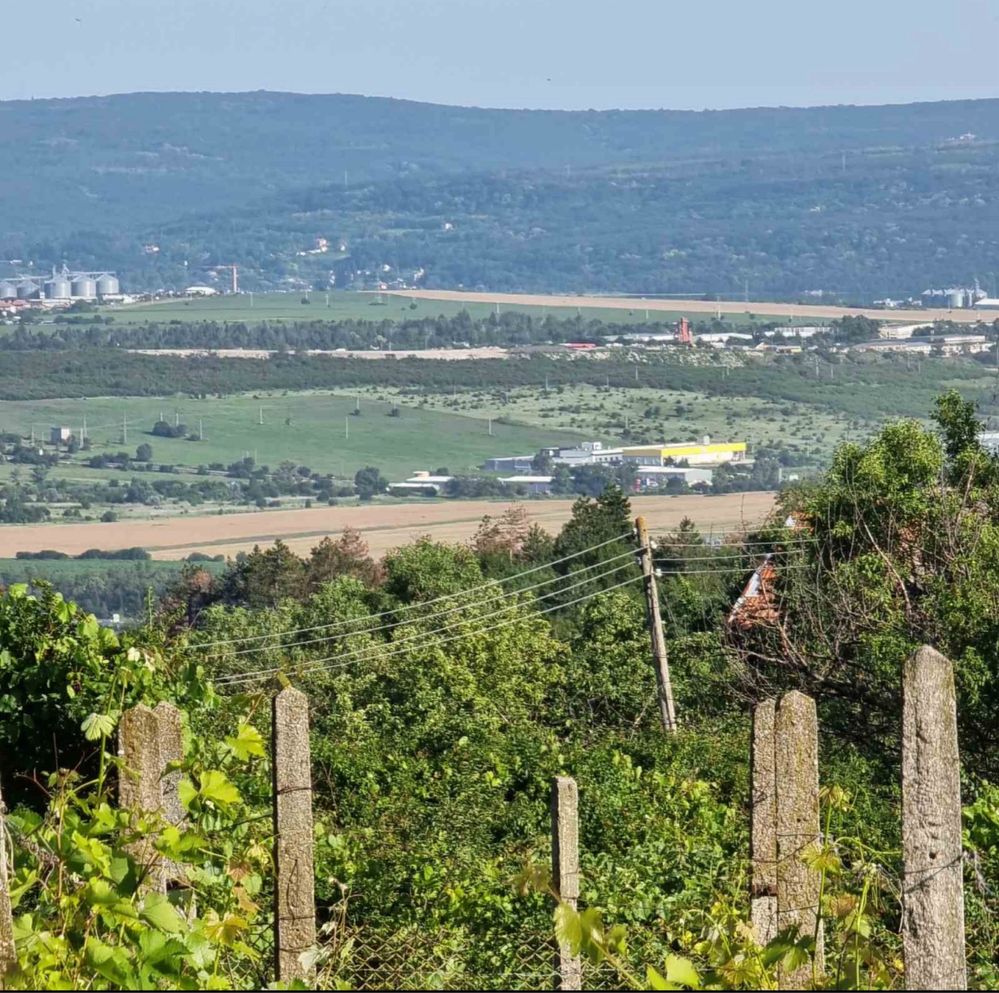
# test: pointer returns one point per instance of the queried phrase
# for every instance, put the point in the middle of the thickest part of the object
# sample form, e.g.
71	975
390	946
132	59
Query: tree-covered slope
99	161
857	201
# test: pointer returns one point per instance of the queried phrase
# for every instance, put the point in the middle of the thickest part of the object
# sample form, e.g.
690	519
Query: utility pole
357	405
260	416
346	427
490	427
659	657
124	429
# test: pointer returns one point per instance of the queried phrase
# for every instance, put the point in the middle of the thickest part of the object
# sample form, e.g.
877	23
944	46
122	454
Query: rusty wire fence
414	959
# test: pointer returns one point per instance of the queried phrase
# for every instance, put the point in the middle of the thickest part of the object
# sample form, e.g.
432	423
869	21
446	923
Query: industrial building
706	453
509	463
942	344
532	484
989	440
61	287
421	483
587	453
651	477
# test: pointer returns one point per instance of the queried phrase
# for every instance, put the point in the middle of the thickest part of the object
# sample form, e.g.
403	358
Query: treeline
509	329
117	555
866	386
103	584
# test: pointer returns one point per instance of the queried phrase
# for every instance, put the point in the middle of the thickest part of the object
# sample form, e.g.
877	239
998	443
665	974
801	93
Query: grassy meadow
314	429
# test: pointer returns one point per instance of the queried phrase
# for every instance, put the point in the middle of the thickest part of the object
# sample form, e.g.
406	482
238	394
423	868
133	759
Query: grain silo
8	290
107	285
28	290
84	288
58	288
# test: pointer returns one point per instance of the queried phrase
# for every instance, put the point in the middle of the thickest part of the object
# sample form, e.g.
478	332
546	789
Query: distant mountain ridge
634	201
108	162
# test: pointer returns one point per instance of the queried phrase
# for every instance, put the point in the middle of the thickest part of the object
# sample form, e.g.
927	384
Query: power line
425	603
320	663
444	613
395	648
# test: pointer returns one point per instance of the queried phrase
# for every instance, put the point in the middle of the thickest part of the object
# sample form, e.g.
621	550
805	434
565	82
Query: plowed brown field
384	527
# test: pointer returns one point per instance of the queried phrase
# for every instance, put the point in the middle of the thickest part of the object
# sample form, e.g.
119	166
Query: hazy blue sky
511	53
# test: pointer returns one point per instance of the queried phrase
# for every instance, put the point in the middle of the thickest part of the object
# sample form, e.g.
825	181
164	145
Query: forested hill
118	161
858	202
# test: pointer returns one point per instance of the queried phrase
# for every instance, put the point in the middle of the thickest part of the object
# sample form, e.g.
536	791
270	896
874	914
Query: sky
568	54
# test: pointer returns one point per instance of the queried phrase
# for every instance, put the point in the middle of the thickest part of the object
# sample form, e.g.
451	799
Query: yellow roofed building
708	453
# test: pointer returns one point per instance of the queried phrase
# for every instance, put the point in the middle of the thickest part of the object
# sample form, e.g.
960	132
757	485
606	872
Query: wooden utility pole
659	657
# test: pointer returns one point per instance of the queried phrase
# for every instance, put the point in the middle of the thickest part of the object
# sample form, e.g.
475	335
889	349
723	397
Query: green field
307	428
638	415
345	305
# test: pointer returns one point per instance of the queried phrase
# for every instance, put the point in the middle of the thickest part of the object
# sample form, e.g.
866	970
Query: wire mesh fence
415	959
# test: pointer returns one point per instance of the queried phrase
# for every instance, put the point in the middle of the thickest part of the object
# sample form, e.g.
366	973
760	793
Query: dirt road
383	527
740	307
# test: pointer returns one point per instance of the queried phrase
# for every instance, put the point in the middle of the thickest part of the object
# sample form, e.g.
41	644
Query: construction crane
235	275
682	332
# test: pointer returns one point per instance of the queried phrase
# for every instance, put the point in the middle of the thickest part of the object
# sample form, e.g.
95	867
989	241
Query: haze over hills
788	200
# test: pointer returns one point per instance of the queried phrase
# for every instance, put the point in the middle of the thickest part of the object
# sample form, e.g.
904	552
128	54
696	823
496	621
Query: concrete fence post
796	741
140	790
171	746
565	871
933	876
763	823
294	887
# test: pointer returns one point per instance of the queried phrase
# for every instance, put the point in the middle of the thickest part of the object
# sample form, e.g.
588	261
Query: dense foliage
449	683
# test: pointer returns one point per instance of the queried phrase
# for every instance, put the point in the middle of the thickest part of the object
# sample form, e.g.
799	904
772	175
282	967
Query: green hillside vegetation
894	222
858	201
436	730
309	429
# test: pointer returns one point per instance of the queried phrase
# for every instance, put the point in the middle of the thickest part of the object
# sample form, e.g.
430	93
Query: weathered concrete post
171	749
8	955
933	886
139	788
797	780
565	870
294	889
763	823
171	746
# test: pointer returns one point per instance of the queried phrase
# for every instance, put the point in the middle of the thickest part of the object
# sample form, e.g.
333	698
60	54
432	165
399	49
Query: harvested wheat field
383	526
737	307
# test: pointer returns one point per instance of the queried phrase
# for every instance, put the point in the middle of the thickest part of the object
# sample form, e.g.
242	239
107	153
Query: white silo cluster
61	287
